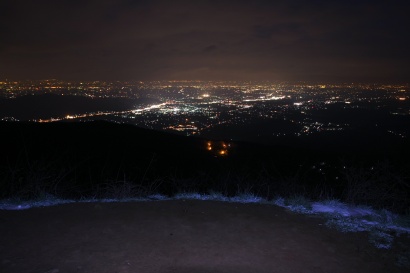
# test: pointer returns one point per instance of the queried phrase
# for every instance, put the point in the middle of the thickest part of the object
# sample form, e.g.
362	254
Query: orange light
209	148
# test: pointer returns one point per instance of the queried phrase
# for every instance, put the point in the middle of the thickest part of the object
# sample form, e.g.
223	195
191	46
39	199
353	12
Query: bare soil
180	237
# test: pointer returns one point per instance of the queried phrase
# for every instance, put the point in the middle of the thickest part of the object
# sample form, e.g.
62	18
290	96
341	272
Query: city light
196	107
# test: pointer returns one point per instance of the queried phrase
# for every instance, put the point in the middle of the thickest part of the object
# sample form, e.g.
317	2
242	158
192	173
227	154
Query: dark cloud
131	39
210	49
284	32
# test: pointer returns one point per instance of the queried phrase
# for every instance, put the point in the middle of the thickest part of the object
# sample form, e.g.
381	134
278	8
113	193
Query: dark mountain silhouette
72	159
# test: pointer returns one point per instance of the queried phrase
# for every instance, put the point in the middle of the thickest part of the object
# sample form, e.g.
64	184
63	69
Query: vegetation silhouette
107	160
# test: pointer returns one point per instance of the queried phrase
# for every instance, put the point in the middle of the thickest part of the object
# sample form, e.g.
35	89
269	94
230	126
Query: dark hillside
102	159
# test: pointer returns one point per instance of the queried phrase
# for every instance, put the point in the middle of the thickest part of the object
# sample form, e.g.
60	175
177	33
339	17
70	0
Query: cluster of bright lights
218	148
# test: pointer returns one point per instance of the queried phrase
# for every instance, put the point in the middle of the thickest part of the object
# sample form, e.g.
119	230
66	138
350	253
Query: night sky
205	40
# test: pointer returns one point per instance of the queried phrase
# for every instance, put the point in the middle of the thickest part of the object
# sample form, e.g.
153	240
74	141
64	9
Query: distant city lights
195	107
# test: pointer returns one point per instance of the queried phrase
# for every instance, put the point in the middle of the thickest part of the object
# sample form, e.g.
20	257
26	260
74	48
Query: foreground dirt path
181	237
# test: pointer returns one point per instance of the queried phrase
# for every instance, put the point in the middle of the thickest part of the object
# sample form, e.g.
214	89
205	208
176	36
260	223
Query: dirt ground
180	237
